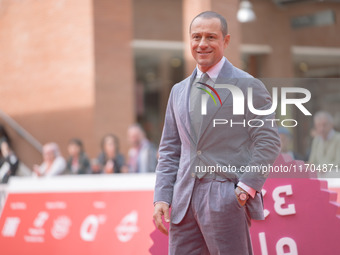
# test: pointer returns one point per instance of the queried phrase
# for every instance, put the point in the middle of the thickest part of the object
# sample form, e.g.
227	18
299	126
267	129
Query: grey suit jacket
223	145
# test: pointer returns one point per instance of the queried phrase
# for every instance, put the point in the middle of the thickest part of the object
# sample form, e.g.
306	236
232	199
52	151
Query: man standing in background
326	144
142	155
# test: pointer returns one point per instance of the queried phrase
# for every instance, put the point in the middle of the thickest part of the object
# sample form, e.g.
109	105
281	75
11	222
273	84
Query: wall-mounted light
246	13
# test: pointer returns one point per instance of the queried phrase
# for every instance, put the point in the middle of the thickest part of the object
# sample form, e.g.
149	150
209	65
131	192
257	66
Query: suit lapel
225	77
184	96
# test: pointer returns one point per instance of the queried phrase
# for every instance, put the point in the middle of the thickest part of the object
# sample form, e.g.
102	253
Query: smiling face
323	126
207	42
135	136
73	149
49	154
110	147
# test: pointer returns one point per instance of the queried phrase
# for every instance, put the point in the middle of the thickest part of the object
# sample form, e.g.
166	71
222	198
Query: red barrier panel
113	215
117	219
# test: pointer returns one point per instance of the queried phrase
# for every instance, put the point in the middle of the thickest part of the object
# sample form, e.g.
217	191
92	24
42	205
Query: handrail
21	131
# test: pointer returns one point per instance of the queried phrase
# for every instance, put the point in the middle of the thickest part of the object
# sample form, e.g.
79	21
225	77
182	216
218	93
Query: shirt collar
330	134
214	71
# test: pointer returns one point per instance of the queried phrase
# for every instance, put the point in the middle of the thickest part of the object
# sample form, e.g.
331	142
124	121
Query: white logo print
40	219
90	225
10	227
127	227
37	233
61	227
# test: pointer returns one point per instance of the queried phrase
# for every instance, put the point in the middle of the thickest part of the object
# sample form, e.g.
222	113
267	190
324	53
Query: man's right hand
161	209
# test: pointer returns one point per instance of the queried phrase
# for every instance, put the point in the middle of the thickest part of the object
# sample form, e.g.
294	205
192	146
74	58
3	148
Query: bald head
136	135
323	123
212	15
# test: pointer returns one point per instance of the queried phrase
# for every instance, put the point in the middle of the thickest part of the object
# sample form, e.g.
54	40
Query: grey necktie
195	114
195	105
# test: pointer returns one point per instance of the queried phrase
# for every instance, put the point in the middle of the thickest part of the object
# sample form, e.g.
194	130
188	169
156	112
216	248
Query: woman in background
54	163
110	160
78	162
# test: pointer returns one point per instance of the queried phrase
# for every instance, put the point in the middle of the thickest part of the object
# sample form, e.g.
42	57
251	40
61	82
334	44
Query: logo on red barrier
127	227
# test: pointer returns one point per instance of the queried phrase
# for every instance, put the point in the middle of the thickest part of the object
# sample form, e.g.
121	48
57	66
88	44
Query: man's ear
226	41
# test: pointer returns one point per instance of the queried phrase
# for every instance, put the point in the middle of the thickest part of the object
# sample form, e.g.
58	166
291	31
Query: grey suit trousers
215	223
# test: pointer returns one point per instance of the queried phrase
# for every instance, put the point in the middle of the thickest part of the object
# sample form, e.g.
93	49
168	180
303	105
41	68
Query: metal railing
21	131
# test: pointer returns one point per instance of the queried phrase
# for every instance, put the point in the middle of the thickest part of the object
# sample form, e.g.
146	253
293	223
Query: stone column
114	69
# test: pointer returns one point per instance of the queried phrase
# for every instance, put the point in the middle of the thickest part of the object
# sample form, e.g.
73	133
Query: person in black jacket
110	159
9	162
78	162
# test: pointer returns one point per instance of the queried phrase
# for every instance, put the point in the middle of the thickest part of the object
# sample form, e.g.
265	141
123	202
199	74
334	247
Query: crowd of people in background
142	157
142	154
325	149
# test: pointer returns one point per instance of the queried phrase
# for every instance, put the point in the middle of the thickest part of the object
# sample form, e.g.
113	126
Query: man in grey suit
211	209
